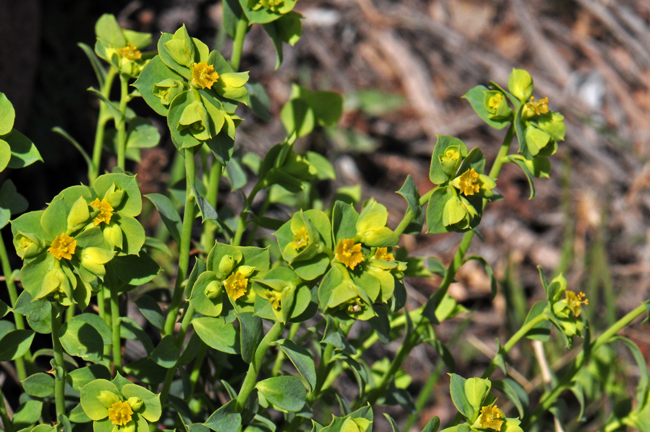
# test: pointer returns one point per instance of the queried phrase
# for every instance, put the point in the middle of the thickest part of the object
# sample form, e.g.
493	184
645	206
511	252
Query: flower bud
213	290
195	119
107	398
246	270
226	265
113	236
27	245
135	402
79	215
520	84
93	259
114	196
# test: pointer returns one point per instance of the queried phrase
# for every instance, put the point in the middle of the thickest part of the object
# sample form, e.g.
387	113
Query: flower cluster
67	246
121	47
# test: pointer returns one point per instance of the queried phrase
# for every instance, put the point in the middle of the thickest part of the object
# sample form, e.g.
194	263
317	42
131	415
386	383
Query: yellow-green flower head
135	403
272	5
275	297
120	413
26	246
450	159
203	75
63	246
574	301
195	118
382	254
168	89
300	238
535	108
355	306
130	52
105	211
236	285
495	101
213	290
348	253
469	182
491	417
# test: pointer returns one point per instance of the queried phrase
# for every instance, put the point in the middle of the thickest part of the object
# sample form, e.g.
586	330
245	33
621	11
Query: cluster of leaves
327	267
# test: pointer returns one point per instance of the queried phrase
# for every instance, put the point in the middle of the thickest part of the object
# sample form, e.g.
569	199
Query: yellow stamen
469	183
540	107
382	254
63	246
105	211
574	301
275	298
130	52
236	285
120	413
490	417
301	238
348	253
495	101
203	75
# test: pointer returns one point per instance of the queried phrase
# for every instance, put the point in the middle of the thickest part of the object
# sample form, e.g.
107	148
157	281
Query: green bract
121	47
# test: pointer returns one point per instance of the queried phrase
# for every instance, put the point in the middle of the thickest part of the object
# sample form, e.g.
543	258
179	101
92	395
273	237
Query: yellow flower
120	413
203	75
381	254
130	52
469	183
63	246
275	298
349	253
105	211
301	238
236	285
574	301
539	107
272	5
495	101
490	417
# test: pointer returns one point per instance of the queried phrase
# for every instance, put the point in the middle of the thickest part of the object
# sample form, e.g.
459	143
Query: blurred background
402	67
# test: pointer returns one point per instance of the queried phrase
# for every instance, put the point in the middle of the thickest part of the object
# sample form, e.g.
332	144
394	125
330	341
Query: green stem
115	322
211	196
186	238
280	357
503	152
243	218
121	124
408	216
198	363
169	377
13	296
238	42
513	341
60	373
548	399
102	119
254	368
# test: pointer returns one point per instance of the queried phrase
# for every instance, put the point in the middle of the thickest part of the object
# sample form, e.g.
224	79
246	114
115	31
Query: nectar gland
130	52
382	254
491	417
469	182
105	211
495	101
574	301
120	413
300	238
203	75
236	285
349	253
63	246
540	107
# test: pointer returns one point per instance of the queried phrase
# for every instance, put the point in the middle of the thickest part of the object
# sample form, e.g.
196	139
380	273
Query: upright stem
169	377
60	373
115	321
121	124
243	222
13	296
503	152
101	124
198	363
212	195
238	42
254	368
186	238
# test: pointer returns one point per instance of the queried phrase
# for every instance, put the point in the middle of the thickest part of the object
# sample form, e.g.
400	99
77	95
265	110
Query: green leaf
272	30
286	393
225	419
27	414
301	359
135	270
251	332
206	209
11	202
437	174
514	392
90	398
99	324
236	174
15	344
297	116
7	115
146	371
476	390
290	27
129	329
97	65
83	340
258	100
131	204
39	385
142	133
542	331
166	354
108	30
432	426
23	150
476	97
644	382
393	425
410	193
217	334
5	154
151	311
458	397
168	214
82	376
153	73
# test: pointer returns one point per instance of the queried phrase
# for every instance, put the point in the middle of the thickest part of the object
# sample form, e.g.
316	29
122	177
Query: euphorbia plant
278	307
